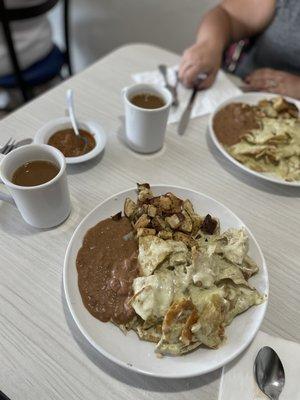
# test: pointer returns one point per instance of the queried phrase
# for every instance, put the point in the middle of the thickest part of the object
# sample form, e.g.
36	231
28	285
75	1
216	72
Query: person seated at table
272	60
32	38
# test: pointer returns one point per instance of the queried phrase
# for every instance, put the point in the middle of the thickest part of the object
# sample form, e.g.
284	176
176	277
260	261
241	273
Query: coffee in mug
147	100
36	178
34	173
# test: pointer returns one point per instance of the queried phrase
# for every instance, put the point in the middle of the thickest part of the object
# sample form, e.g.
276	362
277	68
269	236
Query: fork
172	89
5	145
9	145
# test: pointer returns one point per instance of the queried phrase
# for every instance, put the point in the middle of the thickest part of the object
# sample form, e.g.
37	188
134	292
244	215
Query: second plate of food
179	270
260	134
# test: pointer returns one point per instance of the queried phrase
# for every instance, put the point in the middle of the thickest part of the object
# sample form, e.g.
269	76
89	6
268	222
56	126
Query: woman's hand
230	21
271	80
201	58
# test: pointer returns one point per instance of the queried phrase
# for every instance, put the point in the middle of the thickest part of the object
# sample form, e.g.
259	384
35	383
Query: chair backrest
17	14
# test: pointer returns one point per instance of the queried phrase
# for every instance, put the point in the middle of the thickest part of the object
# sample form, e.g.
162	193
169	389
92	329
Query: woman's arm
248	17
231	21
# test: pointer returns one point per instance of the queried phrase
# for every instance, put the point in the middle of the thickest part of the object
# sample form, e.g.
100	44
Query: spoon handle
70	105
163	70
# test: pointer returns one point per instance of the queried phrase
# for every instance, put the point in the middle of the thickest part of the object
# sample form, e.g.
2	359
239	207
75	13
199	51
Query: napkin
206	101
238	383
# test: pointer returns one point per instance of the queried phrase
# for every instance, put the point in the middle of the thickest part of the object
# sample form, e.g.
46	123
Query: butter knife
184	120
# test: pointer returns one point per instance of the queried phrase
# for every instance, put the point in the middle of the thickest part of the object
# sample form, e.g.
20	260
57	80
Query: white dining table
42	353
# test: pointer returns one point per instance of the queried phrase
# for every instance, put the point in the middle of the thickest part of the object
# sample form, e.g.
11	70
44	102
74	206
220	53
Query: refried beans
107	265
233	121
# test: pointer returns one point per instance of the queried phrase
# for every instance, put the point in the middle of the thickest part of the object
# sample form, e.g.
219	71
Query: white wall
98	26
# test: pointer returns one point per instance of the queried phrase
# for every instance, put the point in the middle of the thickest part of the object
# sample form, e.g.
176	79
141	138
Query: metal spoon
269	372
70	104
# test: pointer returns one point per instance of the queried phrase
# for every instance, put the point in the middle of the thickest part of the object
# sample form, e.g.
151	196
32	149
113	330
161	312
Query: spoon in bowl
269	372
70	105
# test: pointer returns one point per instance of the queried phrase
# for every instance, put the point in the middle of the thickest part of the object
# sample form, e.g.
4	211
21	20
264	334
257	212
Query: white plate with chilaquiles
271	151
127	350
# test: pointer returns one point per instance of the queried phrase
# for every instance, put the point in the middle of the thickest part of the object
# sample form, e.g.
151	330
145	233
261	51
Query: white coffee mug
42	206
145	128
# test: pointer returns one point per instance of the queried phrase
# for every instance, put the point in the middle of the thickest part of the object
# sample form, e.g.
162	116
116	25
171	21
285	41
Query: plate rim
220	147
125	365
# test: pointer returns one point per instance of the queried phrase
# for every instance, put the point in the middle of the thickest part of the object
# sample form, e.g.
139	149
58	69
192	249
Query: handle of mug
4	196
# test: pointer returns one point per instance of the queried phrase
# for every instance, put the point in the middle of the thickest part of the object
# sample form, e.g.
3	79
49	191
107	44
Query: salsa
72	145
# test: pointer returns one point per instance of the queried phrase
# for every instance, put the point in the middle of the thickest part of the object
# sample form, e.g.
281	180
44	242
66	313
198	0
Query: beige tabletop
42	353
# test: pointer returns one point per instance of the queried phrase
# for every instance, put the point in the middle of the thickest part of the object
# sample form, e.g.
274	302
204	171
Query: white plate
46	131
134	354
249	98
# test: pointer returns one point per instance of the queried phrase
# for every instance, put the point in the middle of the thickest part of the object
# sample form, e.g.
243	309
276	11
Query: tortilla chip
152	252
275	146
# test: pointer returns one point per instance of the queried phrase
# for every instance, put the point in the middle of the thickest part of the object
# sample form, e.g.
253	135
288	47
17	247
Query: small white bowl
44	134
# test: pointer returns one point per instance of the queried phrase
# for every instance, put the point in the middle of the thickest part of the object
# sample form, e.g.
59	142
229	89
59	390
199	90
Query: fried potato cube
187	224
158	223
176	206
152	210
264	103
196	218
281	105
144	207
209	225
188	207
144	192
166	235
175	220
137	214
165	203
142	222
197	222
129	207
182	237
145	232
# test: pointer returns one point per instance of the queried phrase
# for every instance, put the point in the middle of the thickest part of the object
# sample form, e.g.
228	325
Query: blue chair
43	70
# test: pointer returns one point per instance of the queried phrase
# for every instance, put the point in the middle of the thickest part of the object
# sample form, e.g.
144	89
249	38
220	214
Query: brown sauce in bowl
70	144
233	121
107	265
